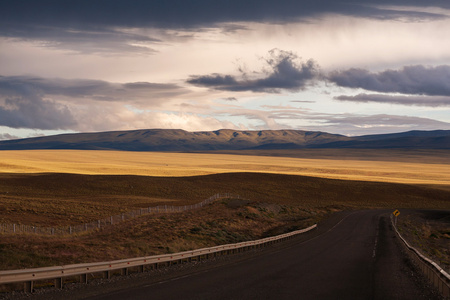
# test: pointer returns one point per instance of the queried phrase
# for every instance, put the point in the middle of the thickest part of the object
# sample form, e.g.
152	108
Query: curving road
356	256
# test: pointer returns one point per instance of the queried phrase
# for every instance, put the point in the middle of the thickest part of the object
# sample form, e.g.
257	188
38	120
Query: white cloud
117	117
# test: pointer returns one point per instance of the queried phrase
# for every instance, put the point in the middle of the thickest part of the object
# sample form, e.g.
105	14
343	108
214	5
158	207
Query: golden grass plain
95	162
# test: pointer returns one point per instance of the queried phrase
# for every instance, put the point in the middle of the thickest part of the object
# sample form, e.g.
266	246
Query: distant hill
226	139
436	139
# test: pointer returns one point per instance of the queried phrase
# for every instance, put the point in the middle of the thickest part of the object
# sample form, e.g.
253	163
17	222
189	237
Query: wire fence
109	221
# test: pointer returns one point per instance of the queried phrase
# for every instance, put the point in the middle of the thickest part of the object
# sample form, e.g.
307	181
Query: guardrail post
28	287
107	274
59	283
124	271
84	278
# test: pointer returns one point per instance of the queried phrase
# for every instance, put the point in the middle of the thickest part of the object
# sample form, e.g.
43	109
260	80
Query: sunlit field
415	171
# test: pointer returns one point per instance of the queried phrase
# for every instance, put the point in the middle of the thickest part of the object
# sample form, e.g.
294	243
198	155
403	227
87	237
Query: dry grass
413	171
228	221
428	231
105	183
71	199
427	156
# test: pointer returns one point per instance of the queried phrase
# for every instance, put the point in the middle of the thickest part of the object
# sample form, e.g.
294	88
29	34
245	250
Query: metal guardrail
438	276
58	273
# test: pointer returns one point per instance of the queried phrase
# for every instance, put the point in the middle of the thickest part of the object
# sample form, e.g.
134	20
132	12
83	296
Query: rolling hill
226	139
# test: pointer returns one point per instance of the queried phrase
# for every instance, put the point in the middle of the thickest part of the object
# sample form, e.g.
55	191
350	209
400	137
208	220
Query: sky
345	67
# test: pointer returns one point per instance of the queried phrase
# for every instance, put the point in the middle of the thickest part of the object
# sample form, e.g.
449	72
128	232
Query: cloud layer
110	26
416	85
96	105
428	101
198	13
284	73
417	80
42	103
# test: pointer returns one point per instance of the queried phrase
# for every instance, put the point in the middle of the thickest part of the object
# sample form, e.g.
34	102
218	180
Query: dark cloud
197	13
225	82
94	26
231	99
22	105
42	103
430	101
87	88
31	111
84	39
284	73
416	80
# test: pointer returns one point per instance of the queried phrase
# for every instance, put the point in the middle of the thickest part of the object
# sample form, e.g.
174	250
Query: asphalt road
357	257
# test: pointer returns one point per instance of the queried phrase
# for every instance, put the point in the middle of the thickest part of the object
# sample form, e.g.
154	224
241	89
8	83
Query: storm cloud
32	111
198	13
108	26
88	89
42	103
412	80
284	72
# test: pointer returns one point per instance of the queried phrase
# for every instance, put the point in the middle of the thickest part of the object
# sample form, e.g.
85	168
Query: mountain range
226	139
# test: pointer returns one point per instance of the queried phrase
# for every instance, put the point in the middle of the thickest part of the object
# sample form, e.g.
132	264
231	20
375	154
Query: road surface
358	257
352	255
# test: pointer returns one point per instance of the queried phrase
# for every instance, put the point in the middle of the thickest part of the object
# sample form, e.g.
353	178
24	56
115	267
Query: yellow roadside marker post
396	213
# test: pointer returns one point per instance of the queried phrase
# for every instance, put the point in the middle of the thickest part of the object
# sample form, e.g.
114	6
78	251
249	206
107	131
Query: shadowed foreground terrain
428	230
70	199
350	255
277	203
359	258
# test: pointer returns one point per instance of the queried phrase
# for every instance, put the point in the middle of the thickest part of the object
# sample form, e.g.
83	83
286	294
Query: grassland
367	167
70	199
291	190
219	223
429	231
